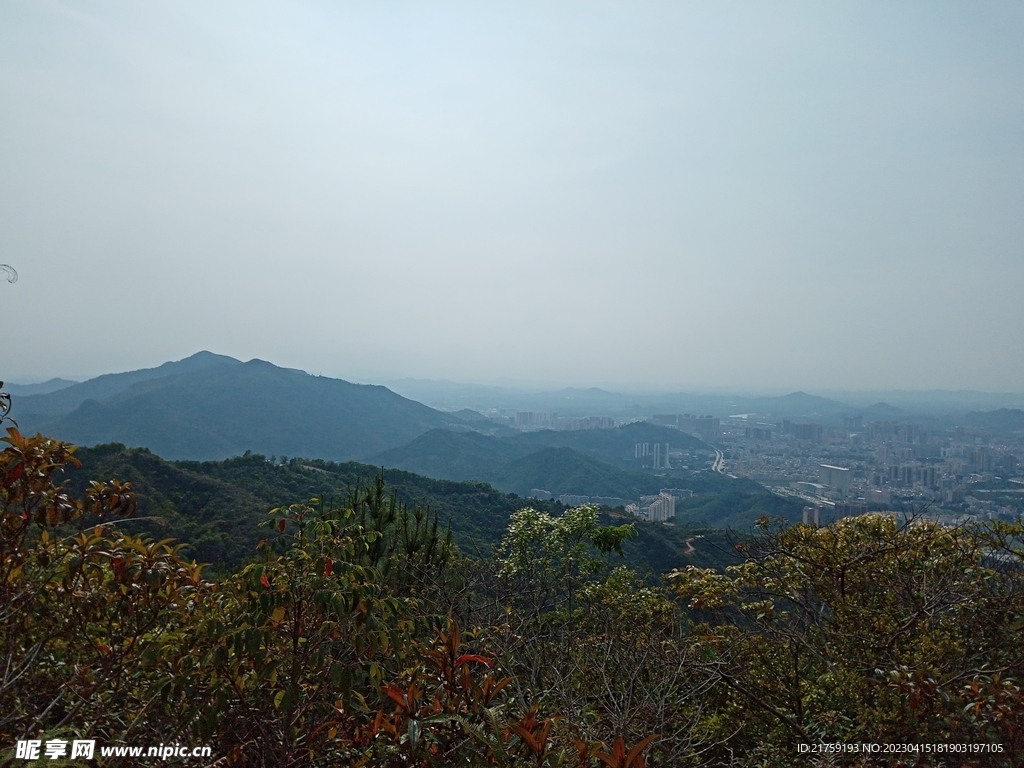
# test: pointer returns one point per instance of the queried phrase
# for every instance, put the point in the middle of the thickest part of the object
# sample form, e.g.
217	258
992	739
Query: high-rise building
836	478
849	509
536	419
853	423
812	432
662	509
587	422
659	459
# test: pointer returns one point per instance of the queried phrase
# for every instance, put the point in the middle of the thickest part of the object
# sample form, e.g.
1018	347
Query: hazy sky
679	195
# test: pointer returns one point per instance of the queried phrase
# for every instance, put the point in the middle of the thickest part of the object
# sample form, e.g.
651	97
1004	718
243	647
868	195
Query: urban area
941	469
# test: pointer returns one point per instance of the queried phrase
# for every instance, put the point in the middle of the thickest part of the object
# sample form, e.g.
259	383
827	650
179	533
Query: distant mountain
939	401
564	470
515	466
480	423
468	456
212	407
797	404
1001	420
449	455
612	445
42	388
67	399
596	462
881	412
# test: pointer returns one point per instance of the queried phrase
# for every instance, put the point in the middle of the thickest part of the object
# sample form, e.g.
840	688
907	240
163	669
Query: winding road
719	465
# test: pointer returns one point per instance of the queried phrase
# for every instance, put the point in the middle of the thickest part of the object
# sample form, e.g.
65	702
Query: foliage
83	618
213	507
737	510
869	630
360	636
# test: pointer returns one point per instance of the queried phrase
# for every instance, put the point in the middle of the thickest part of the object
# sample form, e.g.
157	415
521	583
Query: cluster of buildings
533	420
651	455
656	508
708	428
955	471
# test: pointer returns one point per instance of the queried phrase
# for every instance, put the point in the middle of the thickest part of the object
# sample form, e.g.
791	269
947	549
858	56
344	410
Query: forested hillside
212	407
359	636
213	507
599	462
471	456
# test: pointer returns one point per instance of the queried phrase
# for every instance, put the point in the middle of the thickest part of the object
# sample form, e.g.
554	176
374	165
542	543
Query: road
719	465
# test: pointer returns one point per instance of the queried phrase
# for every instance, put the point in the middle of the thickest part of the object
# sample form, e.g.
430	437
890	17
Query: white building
836	478
661	509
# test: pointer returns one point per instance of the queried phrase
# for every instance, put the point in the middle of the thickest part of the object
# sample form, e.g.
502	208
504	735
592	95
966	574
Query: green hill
42	388
225	407
1001	421
564	470
598	462
450	455
614	446
213	506
736	509
66	399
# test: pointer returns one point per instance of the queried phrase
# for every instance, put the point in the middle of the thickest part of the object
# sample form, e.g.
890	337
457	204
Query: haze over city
664	196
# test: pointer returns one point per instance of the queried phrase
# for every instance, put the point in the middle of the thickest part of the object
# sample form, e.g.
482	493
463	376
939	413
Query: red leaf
264	580
468	657
396	694
328	567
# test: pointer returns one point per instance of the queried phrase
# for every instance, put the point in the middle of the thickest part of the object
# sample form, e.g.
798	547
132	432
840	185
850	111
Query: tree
872	629
84	615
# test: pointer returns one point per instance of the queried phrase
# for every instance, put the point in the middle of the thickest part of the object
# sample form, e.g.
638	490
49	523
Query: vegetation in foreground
213	506
360	636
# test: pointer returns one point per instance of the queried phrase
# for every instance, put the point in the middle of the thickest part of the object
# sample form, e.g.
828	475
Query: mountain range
795	405
215	421
587	462
214	506
211	407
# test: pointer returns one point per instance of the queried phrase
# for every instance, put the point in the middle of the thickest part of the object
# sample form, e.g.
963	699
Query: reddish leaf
468	657
396	694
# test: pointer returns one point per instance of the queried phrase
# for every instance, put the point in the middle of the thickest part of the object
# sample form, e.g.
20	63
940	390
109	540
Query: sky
678	196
